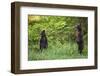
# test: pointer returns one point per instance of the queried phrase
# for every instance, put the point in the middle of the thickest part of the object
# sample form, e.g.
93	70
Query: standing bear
79	38
43	41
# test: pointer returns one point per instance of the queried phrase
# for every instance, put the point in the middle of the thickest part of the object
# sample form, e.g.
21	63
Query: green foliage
60	31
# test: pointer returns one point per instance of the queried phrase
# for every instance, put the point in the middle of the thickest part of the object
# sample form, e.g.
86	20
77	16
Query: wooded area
60	33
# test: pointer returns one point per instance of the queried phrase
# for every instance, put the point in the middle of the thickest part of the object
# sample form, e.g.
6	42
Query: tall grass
68	50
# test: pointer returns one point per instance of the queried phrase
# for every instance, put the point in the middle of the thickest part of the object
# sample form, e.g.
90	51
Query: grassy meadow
60	34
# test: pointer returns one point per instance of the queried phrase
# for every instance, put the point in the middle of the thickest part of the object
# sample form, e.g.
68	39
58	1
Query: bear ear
43	31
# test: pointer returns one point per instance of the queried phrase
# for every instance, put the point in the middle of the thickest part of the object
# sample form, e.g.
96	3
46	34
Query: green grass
57	51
